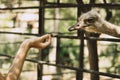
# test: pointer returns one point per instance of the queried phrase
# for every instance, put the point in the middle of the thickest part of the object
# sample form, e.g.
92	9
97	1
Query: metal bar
108	5
67	67
41	32
17	33
81	56
58	55
59	19
69	37
79	74
61	5
30	7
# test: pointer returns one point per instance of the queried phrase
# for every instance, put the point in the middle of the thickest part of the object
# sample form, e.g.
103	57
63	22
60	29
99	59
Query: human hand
41	42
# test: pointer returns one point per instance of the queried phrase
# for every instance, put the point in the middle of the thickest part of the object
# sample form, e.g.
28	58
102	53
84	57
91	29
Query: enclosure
71	55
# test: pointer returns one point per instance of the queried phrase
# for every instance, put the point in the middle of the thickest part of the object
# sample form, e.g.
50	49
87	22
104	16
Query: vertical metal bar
41	32
19	3
81	56
79	74
58	70
39	72
41	17
92	1
58	50
58	1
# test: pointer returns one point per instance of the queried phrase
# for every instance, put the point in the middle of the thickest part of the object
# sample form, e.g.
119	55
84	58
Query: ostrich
91	21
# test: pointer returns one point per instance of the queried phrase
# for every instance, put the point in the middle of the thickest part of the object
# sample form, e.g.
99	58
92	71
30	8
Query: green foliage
112	53
115	17
69	48
69	52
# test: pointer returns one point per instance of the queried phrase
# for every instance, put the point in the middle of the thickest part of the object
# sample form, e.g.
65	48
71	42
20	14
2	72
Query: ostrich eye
90	20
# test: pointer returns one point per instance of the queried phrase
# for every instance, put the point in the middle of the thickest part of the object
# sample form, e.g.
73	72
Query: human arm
19	59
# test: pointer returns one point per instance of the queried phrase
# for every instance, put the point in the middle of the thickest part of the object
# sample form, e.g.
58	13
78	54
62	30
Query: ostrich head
90	21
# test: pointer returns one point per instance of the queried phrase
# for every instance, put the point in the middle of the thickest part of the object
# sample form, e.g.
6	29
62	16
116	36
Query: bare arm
2	77
18	62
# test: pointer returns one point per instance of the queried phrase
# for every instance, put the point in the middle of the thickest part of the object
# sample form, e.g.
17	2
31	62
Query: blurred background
21	19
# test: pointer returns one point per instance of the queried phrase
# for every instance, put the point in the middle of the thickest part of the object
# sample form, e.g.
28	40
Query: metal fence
44	5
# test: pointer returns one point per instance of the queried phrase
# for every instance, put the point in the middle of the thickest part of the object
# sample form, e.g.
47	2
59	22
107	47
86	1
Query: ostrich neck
110	29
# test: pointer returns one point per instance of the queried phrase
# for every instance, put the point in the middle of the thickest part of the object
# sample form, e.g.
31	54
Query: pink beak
76	27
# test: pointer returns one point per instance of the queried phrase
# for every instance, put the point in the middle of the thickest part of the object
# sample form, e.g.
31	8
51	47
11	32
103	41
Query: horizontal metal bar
90	38
68	37
103	39
17	33
68	67
108	5
60	19
16	8
61	5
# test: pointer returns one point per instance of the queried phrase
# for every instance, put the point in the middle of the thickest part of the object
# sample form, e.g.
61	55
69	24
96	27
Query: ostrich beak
76	27
72	28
